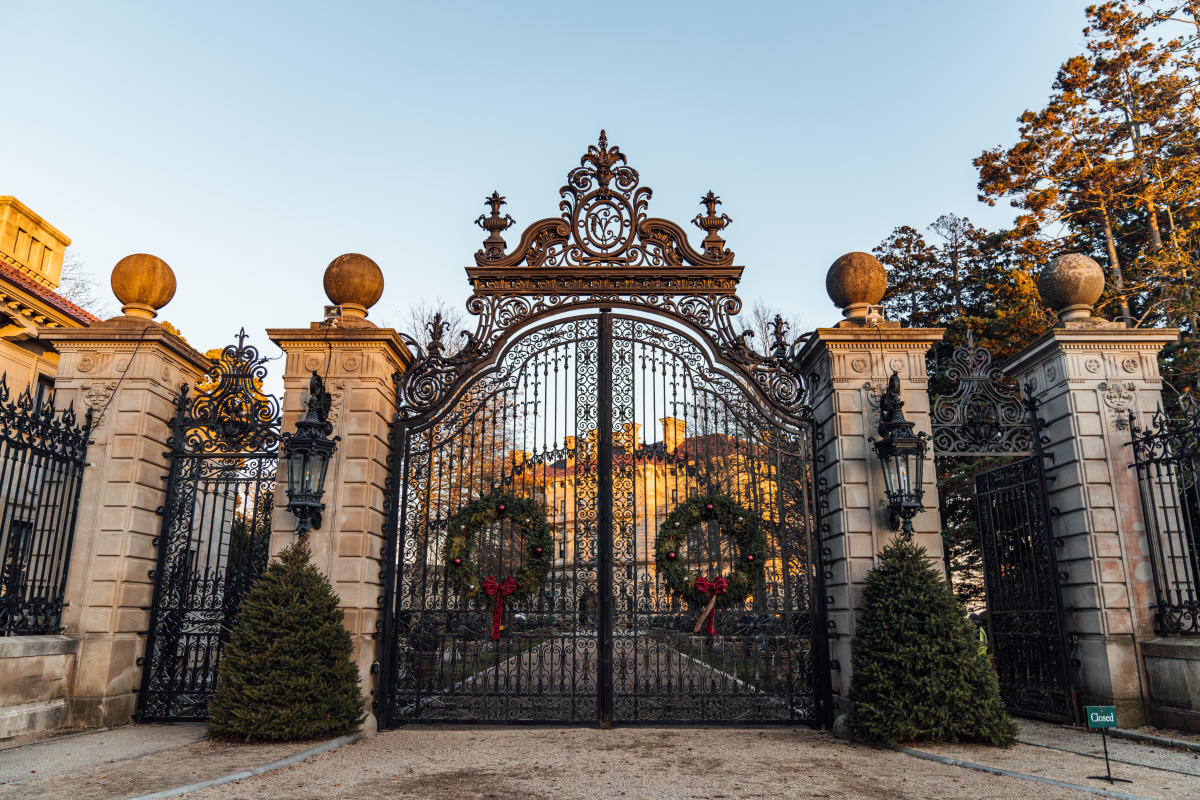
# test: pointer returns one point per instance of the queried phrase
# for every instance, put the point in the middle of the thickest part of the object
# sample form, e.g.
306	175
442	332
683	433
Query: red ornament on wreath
462	572
710	592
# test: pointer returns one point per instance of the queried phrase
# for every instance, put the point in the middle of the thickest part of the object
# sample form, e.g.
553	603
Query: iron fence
42	456
1167	459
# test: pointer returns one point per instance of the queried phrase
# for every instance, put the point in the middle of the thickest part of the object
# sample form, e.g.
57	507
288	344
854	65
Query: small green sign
1101	716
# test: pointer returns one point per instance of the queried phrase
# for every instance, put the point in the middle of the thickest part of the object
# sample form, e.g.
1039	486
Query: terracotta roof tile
13	275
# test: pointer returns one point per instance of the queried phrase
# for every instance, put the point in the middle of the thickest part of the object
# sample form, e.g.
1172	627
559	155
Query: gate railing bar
1039	440
604	501
178	427
1166	457
390	565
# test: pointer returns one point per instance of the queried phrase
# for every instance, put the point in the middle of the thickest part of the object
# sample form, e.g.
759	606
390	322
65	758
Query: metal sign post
1104	717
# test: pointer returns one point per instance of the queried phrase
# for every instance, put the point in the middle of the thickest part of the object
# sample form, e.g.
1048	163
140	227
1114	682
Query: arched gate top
602	251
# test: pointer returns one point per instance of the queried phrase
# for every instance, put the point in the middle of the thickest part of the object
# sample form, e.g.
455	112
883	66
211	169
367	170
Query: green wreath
711	592
462	571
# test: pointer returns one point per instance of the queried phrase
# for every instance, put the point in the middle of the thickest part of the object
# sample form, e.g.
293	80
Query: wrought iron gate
605	382
215	533
983	415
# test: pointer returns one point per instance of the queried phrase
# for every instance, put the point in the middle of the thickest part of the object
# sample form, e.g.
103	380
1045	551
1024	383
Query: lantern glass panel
297	464
321	464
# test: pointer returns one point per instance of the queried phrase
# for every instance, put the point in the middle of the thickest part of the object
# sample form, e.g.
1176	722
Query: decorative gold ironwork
604	223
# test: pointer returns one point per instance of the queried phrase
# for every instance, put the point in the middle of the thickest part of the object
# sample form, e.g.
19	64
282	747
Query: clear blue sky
250	143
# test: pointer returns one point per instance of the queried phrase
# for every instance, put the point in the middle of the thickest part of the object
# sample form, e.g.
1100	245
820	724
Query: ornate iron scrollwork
984	414
236	415
603	251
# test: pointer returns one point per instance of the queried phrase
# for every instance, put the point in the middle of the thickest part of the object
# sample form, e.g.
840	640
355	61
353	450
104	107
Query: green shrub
286	672
918	669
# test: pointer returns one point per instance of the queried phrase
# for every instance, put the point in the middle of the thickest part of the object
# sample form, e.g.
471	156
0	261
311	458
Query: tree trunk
1118	279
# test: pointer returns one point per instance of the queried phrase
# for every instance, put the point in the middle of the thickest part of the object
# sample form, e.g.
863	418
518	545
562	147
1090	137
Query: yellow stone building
31	263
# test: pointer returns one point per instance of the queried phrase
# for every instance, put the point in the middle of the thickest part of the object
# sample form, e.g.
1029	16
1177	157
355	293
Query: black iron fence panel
42	457
608	422
1167	459
1024	613
215	533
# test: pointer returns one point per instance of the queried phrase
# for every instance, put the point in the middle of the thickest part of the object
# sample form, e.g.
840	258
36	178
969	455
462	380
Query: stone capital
1078	354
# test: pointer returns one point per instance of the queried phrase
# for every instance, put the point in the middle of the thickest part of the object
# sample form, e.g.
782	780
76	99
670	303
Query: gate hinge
151	573
374	670
159	510
141	661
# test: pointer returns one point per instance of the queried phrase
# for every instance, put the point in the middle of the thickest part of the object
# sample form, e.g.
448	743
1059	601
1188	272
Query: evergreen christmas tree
919	672
286	672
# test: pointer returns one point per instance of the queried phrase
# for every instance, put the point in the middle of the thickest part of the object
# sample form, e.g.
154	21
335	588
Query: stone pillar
357	362
1088	375
851	364
128	370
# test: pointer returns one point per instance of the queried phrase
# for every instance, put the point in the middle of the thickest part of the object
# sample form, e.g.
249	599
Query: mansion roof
21	295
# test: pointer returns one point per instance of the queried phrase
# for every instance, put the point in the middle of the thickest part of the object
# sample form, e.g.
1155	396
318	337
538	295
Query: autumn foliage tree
1111	167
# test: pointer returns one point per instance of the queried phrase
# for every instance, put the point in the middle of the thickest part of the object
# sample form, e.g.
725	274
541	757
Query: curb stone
1165	741
295	758
1007	773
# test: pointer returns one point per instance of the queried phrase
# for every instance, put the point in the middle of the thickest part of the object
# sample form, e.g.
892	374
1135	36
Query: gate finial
494	245
714	245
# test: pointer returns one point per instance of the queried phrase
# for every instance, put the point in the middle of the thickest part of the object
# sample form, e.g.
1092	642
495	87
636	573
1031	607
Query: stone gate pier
358	362
849	365
1092	378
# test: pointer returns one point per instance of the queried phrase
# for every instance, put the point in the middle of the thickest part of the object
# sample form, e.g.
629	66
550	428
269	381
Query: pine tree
286	673
919	672
912	278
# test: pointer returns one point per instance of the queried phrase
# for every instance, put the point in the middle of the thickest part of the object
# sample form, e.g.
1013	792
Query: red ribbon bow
716	586
499	590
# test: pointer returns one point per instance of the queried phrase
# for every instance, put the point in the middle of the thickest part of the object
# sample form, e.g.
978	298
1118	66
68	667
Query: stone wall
36	673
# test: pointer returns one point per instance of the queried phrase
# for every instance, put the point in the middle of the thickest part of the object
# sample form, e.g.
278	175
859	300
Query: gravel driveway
442	763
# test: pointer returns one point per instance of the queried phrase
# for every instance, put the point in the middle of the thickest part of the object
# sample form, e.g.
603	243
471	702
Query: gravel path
125	761
538	763
441	763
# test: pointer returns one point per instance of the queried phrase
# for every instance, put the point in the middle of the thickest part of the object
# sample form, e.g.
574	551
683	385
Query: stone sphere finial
353	282
855	282
144	284
1071	284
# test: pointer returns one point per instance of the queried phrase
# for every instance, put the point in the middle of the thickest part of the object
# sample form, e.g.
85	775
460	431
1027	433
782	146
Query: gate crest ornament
604	222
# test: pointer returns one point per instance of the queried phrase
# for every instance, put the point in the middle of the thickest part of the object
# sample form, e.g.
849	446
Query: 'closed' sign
1101	716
